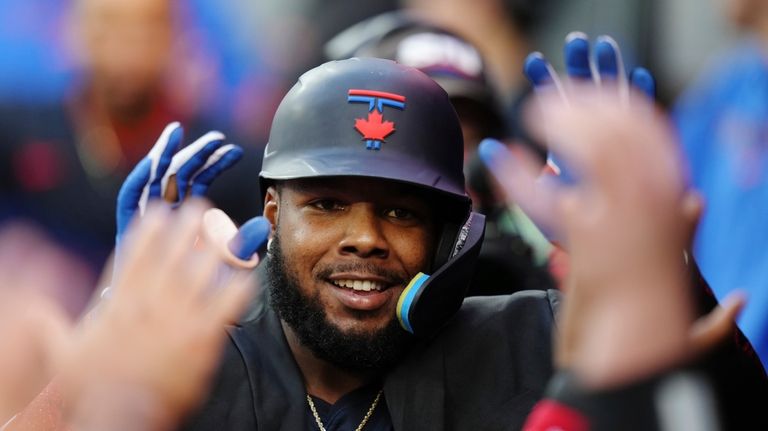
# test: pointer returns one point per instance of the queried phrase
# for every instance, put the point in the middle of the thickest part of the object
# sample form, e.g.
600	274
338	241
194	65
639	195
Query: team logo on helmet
374	129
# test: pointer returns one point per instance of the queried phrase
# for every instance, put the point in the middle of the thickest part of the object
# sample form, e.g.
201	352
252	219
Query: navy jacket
484	371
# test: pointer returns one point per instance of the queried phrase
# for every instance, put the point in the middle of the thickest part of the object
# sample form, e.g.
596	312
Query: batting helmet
444	56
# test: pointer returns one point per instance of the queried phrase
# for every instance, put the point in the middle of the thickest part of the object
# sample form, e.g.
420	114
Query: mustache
392	277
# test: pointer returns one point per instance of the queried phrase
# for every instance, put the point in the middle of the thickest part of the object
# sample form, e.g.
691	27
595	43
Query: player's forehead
357	188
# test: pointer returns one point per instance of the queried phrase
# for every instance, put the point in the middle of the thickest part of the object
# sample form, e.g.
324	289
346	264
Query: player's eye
400	214
327	204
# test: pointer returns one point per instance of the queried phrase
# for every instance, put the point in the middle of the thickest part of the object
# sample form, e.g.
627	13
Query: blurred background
232	60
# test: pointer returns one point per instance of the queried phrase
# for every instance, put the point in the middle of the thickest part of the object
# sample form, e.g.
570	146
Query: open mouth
363	291
361	285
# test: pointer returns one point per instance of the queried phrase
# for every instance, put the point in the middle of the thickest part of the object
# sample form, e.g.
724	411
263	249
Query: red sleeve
549	415
44	413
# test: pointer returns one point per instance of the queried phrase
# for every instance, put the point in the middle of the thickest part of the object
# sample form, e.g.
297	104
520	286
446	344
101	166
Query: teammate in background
62	165
503	31
722	125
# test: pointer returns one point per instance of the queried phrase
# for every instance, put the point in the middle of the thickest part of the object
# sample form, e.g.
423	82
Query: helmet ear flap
429	301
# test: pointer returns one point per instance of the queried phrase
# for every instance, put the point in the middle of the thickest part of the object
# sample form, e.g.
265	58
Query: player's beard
371	352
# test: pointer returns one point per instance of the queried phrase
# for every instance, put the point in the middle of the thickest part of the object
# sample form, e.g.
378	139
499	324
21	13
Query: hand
146	356
34	328
174	176
626	220
605	71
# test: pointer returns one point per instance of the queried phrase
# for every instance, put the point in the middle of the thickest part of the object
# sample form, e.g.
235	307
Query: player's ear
271	206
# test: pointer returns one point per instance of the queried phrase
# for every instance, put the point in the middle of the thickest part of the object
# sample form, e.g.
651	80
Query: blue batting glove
606	66
188	172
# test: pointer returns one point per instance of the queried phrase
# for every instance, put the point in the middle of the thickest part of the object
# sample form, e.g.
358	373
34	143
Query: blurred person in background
63	163
503	32
723	125
513	255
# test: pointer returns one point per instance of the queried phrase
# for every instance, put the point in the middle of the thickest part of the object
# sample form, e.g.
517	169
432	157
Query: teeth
362	285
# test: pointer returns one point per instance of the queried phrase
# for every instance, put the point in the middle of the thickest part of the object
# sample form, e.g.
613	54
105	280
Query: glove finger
130	194
610	64
576	54
160	156
251	238
642	79
518	177
542	76
190	159
221	160
538	70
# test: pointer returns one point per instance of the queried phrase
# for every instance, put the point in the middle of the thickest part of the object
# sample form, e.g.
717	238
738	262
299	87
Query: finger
140	248
517	176
199	268
229	302
251	237
692	206
57	333
610	65
160	156
238	249
587	138
130	194
718	325
188	161
642	80
544	78
181	236
576	55
540	73
221	160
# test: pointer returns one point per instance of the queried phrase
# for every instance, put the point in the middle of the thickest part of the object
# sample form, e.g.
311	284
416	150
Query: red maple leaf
373	128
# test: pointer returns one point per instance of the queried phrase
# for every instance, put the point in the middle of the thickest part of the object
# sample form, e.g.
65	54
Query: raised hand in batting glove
605	71
174	174
606	137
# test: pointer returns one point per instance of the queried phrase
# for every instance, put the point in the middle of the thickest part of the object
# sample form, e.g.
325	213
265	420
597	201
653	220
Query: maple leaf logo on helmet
374	129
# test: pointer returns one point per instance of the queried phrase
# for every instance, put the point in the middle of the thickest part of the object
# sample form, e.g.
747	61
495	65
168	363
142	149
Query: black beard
359	352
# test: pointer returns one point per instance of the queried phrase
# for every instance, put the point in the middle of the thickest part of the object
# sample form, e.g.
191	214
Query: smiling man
359	325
